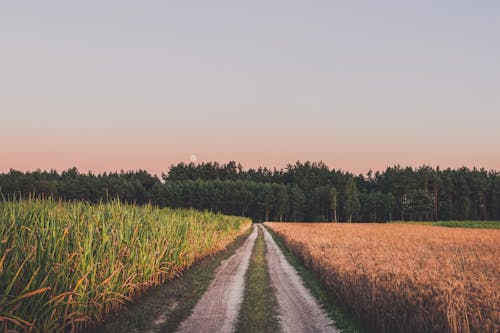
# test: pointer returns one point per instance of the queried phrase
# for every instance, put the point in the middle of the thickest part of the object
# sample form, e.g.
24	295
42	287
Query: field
459	224
64	266
405	277
469	224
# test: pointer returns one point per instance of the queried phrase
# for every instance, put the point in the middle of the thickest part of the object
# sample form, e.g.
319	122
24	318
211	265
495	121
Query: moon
193	158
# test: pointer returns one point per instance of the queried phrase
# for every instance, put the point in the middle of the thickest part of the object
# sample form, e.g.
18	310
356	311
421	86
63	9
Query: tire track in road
299	312
217	310
219	307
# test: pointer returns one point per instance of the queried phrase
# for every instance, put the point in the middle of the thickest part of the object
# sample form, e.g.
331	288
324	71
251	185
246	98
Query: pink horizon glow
99	162
132	85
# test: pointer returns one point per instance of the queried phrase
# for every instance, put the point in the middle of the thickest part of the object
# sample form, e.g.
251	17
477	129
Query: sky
359	85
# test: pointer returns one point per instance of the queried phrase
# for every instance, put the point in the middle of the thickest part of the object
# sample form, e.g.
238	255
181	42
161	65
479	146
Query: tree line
307	191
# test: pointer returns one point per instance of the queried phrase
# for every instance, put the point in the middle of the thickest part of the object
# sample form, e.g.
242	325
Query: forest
303	191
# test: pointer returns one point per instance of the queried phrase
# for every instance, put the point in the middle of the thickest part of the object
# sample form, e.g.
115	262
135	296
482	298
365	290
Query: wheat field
405	278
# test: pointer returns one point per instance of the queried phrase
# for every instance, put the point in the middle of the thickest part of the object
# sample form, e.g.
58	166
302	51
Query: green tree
390	204
420	204
375	202
281	196
297	201
333	203
351	203
267	200
464	196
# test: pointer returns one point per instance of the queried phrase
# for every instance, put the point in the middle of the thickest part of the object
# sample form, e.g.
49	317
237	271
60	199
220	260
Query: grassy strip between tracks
259	308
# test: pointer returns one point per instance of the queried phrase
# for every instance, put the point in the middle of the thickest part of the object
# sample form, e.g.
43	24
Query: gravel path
218	308
298	310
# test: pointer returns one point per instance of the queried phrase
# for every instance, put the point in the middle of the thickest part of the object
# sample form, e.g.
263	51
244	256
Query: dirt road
298	310
218	308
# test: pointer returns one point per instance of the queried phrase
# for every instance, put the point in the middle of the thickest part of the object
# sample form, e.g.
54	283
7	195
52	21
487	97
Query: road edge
182	294
344	321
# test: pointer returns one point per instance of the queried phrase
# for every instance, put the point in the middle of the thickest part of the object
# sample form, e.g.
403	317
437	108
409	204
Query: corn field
405	278
64	266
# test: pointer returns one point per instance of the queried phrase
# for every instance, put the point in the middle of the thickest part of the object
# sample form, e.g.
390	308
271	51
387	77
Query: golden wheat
405	278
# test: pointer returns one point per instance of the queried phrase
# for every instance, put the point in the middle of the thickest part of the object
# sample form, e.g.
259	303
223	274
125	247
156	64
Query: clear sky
110	85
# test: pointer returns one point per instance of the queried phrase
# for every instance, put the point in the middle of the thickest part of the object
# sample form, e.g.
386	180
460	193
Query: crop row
64	266
405	278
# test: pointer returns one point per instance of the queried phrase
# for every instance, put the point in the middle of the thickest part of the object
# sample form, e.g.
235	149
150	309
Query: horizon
245	169
359	86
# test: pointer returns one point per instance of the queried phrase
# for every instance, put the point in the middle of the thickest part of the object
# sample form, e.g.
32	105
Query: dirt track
218	308
298	310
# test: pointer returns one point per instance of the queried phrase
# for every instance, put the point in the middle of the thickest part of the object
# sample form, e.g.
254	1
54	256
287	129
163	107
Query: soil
298	309
218	308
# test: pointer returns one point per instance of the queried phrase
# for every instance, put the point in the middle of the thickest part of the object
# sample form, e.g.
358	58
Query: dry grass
406	278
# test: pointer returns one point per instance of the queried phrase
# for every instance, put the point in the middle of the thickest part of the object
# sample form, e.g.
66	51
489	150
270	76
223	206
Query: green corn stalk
64	266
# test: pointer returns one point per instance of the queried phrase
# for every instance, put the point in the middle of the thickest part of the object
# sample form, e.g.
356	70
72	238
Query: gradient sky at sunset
110	85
